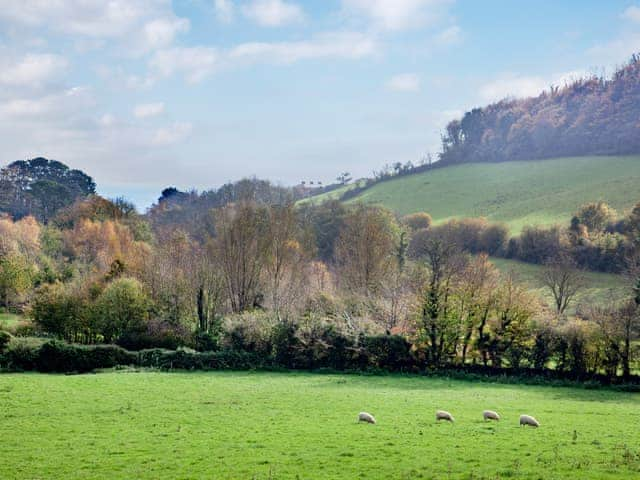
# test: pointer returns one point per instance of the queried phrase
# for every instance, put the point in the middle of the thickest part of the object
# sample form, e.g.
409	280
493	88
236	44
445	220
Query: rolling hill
520	193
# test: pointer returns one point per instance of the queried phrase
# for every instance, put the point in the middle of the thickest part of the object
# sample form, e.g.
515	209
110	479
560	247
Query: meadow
541	192
599	288
230	425
9	319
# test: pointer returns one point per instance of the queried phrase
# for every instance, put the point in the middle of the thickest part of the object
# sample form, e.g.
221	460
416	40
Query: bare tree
241	248
563	279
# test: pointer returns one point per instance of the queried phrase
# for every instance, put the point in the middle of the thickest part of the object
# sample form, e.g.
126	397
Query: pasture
541	192
599	288
230	425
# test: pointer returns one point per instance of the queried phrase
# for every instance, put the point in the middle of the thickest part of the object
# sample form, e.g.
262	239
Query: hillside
517	193
590	116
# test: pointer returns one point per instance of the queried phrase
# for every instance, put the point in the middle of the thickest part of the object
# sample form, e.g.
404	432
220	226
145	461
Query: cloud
632	14
449	36
194	63
160	33
398	14
176	133
33	70
146	110
224	10
141	25
345	45
406	82
51	106
617	50
273	13
521	86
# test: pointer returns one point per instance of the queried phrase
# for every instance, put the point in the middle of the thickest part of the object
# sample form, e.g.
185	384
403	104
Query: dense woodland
245	270
591	116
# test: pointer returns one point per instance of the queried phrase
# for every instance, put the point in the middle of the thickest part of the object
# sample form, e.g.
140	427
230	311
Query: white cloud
398	14
107	120
141	25
632	14
617	50
194	63
346	45
33	70
51	106
146	110
176	133
520	86
406	82
160	33
449	36
224	10
273	13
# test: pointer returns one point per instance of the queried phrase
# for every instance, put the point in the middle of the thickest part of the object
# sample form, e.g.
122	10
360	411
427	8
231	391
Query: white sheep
528	420
442	415
366	417
490	415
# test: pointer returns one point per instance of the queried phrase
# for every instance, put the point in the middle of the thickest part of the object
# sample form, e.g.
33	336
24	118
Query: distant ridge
591	116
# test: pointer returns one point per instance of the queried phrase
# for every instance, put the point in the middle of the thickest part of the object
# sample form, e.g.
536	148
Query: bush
155	334
5	338
56	356
222	360
417	221
205	341
388	352
22	353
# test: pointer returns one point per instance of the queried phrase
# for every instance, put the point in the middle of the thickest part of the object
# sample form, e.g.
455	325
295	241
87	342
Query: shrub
417	221
155	334
56	356
5	338
205	341
388	352
22	353
222	360
24	328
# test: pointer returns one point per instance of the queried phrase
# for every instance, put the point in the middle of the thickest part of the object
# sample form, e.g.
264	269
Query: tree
365	248
15	277
443	261
596	216
123	307
40	187
62	310
344	178
417	221
242	248
285	264
563	280
475	298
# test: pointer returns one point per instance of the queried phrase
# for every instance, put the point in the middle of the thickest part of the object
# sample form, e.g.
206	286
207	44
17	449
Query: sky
145	94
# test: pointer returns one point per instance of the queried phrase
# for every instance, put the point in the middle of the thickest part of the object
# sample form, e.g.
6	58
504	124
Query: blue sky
143	94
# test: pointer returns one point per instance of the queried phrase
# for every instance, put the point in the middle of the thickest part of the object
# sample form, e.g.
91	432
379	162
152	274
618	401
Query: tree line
589	116
303	285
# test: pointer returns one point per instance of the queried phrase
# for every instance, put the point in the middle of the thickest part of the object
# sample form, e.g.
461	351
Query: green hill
518	193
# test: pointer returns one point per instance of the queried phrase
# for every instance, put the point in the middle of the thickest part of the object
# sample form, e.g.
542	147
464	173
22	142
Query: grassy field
518	193
9	319
600	288
229	425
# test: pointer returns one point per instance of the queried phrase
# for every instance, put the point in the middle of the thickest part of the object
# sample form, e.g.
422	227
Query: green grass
600	288
9	319
332	195
228	425
518	193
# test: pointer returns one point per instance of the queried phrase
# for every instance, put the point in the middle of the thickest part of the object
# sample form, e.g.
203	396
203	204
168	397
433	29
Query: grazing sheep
366	417
490	415
528	420
442	415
